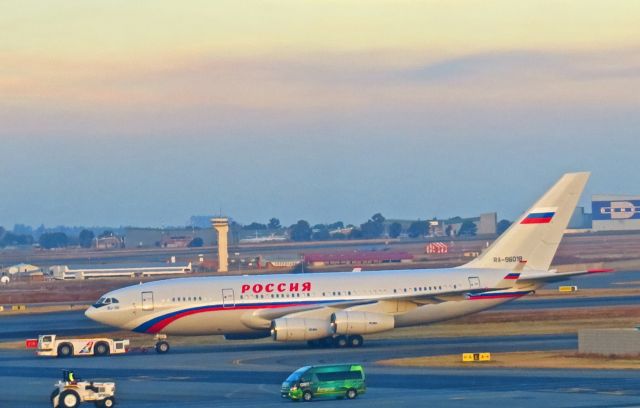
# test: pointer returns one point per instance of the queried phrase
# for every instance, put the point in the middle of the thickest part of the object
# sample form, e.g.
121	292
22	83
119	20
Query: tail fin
535	236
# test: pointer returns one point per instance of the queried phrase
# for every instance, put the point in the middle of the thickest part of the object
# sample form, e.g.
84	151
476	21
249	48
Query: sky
145	113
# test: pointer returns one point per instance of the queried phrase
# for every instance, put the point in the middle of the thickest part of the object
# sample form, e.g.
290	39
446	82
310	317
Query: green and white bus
325	381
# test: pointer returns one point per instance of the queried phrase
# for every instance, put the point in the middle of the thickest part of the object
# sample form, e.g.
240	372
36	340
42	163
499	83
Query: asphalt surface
248	375
238	374
20	327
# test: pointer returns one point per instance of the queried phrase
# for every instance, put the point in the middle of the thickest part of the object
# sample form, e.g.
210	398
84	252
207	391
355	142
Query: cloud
506	65
216	92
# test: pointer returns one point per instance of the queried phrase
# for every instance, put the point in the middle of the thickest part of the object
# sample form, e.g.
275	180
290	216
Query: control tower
221	225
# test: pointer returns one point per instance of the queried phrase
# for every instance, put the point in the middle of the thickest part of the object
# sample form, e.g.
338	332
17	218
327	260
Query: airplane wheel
355	341
341	341
162	347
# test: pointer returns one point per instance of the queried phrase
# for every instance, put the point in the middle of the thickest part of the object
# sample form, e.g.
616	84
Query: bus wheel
307	396
341	341
351	393
355	341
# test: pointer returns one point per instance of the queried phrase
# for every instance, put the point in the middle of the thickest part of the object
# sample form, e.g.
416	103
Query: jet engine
299	329
355	322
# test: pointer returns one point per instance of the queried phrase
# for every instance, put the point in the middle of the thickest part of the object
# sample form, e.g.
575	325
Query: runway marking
261	387
618	393
231	394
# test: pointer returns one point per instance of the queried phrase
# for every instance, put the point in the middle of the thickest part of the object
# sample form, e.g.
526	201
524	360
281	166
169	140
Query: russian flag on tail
539	216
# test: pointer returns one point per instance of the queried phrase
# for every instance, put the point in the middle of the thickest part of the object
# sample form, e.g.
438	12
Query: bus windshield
295	376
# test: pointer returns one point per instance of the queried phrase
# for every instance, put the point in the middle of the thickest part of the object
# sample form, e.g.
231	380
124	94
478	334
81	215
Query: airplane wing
555	276
261	318
523	283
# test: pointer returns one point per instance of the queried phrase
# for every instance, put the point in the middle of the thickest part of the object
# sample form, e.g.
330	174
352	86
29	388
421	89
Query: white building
63	272
21	268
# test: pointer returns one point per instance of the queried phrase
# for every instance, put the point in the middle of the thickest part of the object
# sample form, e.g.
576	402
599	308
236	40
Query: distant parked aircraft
268	238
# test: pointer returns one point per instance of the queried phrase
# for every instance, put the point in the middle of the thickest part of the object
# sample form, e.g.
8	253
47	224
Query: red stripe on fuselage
167	321
497	296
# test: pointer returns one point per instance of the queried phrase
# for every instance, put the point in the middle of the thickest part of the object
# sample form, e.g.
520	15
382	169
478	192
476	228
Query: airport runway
238	374
246	375
20	327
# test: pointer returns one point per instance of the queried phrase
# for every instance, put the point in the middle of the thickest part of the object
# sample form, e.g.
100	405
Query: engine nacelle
355	322
299	329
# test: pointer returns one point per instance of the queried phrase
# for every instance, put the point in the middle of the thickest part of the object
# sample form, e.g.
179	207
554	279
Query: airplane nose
91	313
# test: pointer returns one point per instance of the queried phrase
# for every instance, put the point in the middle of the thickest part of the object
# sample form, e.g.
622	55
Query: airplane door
228	299
147	301
474	282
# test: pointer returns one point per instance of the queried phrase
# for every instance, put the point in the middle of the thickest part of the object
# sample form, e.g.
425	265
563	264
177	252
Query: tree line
374	227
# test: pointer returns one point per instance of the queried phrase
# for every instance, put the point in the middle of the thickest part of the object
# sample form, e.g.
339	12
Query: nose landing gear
162	345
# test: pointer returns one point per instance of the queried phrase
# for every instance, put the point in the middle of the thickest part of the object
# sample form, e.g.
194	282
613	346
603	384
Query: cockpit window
104	301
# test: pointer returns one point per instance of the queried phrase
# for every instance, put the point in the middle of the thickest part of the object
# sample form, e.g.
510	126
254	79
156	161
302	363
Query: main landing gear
340	341
162	345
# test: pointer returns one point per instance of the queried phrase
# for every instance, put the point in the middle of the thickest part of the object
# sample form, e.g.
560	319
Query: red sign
31	343
277	287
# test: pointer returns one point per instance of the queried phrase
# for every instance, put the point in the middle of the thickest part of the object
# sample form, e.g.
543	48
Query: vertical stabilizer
535	236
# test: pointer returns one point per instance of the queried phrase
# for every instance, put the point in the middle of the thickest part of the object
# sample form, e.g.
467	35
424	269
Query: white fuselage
237	304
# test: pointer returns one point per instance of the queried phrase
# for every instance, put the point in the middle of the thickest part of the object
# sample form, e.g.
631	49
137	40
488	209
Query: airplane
338	308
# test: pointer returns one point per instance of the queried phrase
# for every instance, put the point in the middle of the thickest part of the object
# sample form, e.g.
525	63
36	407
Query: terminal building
63	272
615	212
167	238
